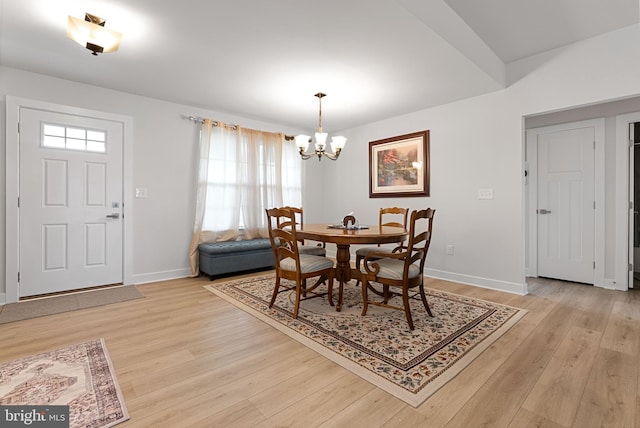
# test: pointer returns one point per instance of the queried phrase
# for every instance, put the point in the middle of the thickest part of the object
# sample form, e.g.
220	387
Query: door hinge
18	127
630	267
594	144
18	278
594	265
18	201
594	205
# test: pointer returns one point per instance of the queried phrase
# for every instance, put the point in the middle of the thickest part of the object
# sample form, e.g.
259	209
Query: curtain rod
198	119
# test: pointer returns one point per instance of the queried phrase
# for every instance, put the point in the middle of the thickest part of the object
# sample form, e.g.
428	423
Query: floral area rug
80	376
379	347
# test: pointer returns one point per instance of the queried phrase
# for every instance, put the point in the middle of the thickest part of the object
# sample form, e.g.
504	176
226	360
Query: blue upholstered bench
218	258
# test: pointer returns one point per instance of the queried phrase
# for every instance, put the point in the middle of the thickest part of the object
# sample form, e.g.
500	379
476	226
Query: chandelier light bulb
302	142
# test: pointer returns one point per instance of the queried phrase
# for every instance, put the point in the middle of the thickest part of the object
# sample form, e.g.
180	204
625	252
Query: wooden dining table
344	238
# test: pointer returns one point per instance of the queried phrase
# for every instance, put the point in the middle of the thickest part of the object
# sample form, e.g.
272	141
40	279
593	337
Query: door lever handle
114	215
543	211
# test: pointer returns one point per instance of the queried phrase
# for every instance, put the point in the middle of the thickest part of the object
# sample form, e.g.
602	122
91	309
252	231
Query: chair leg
275	291
358	263
365	297
330	287
407	310
424	300
297	302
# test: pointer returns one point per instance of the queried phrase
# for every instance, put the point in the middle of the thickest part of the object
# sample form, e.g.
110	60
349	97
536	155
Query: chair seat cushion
308	263
365	251
393	269
312	250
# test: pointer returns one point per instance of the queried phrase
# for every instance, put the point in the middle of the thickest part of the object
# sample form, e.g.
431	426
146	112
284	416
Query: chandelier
337	143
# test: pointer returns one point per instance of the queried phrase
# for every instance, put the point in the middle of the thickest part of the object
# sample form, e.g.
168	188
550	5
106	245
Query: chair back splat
402	269
393	216
389	216
316	250
292	265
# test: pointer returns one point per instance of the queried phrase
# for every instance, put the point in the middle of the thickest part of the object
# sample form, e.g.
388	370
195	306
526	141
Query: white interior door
566	204
70	215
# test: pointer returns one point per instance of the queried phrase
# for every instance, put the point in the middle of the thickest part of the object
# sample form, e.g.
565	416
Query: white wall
164	151
473	145
478	143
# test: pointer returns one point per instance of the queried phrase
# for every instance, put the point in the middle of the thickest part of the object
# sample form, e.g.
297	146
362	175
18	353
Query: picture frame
399	166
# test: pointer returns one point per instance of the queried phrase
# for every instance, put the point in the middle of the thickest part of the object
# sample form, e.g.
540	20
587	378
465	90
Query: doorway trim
12	258
599	225
623	176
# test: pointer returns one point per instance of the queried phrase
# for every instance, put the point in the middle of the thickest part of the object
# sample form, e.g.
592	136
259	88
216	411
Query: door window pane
62	137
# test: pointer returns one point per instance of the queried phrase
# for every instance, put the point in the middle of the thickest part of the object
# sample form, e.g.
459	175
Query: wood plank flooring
186	358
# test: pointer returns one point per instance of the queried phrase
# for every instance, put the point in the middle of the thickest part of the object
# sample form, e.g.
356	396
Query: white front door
70	215
565	207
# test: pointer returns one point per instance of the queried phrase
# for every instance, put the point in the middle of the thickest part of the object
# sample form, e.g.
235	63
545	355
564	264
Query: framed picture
399	166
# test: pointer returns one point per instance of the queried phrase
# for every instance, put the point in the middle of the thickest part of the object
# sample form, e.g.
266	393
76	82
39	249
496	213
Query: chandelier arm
330	156
304	155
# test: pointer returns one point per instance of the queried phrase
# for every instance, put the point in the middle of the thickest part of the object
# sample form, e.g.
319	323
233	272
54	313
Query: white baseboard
161	276
609	284
493	284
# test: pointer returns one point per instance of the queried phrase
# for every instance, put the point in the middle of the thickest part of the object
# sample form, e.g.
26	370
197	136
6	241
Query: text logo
34	416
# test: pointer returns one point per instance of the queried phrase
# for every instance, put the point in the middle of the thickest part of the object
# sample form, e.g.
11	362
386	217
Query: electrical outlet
485	193
450	249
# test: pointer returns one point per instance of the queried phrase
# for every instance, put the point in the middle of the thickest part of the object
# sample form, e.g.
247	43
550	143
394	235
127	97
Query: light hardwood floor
184	357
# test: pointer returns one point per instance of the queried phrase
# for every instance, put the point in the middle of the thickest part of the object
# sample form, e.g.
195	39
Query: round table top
372	235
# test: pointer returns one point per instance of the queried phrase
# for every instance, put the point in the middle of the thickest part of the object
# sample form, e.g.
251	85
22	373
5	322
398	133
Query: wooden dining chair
316	250
391	216
402	269
291	264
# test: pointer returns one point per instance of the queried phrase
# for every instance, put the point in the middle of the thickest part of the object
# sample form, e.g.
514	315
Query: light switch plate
141	192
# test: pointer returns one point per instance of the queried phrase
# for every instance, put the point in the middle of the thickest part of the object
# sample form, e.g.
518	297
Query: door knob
543	211
114	215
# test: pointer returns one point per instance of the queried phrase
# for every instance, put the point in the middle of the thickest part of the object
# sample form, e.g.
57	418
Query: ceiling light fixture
337	143
91	34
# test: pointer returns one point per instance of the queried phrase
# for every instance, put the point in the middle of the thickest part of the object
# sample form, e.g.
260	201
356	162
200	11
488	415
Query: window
248	171
73	138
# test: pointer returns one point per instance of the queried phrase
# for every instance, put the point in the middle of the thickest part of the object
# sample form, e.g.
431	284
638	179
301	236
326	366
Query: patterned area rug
80	376
379	347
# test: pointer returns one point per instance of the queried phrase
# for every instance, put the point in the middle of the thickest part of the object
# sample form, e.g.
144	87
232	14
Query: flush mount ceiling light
91	34
337	143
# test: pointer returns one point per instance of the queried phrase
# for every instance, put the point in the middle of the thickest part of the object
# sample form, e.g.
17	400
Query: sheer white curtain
241	172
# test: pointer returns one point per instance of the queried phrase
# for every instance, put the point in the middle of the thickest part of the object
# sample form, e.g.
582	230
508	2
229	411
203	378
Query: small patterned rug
379	347
80	376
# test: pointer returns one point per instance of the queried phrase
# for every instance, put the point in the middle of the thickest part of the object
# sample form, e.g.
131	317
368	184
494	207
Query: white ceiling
265	59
